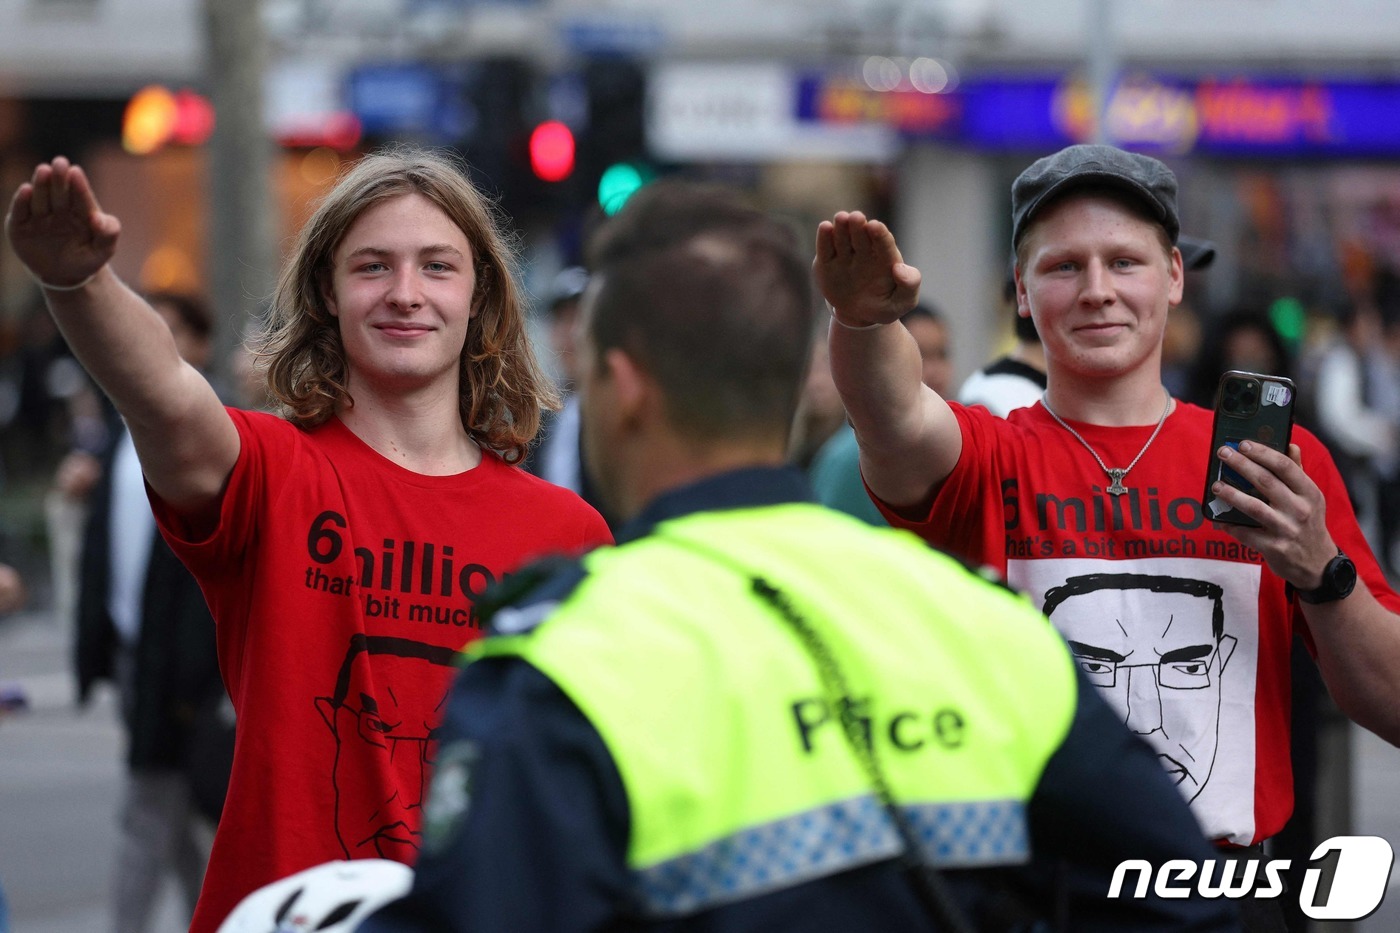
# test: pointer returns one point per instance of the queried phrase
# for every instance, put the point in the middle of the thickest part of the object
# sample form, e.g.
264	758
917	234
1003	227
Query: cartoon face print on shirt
1156	648
383	714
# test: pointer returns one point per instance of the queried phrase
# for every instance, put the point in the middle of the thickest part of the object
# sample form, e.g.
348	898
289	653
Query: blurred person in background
1243	339
717	764
143	624
835	471
1182	341
1015	379
38	432
56	408
341	547
557	456
820	414
247	382
12	596
1354	406
1383	377
12	592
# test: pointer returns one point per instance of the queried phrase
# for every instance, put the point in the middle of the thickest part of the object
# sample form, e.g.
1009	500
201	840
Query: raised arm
909	438
185	439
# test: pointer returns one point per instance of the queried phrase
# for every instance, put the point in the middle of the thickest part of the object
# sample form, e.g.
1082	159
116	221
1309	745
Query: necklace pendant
1116	488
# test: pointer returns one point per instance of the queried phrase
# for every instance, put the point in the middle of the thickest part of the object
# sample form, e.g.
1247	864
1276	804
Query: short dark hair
192	312
925	311
668	212
1024	328
714	300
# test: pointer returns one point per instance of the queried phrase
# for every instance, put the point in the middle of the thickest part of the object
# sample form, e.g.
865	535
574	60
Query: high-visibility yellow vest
738	775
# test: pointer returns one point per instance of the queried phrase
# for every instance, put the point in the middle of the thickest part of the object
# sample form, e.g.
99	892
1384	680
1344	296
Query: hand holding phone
1248	407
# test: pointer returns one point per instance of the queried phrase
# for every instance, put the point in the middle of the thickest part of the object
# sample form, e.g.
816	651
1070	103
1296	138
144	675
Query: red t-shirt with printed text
1185	630
343	586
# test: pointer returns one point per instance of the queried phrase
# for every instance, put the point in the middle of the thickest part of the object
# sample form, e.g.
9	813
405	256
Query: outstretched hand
861	273
56	227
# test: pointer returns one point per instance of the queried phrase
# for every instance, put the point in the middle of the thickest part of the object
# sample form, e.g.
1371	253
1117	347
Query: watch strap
1331	588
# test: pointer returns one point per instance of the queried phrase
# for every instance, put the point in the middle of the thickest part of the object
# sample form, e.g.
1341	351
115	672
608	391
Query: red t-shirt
343	586
1186	631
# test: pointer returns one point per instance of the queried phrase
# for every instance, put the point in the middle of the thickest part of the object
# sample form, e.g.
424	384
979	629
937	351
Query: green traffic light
618	183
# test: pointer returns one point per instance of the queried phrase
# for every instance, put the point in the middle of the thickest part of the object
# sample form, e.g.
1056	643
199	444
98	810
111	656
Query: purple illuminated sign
1233	115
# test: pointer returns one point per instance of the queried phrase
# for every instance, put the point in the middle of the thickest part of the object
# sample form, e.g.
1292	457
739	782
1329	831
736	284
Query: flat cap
1143	177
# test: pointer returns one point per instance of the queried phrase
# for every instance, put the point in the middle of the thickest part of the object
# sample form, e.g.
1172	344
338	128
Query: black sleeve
95	638
525	826
1103	799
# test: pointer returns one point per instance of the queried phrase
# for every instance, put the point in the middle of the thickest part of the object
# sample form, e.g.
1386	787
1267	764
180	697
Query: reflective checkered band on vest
831	839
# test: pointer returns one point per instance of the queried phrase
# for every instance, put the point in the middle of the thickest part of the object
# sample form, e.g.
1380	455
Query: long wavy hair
503	388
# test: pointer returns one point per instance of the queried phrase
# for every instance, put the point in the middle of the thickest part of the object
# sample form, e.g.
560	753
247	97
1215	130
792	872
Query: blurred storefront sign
394	98
1233	116
417	6
763	111
430	103
727	111
1237	116
914	97
305	107
748	112
612	35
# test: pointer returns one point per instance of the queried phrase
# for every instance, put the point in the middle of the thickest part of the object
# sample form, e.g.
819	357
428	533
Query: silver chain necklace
1115	486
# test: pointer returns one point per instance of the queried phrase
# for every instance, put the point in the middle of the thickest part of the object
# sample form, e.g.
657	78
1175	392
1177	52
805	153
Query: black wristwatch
1338	580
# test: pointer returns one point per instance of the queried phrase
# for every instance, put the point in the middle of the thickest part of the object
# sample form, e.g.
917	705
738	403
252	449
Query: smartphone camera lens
1240	397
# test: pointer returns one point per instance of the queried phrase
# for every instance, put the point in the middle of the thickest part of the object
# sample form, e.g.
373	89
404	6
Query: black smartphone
1248	407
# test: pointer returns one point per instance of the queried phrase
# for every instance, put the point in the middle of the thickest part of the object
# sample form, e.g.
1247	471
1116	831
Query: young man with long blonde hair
341	546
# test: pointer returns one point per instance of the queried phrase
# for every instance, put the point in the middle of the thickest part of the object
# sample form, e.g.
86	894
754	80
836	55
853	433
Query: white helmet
334	897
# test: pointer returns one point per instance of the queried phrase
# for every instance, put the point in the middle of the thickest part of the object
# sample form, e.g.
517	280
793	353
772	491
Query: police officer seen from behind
755	713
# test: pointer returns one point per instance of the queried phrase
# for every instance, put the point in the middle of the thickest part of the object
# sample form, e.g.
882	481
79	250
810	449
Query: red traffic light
552	151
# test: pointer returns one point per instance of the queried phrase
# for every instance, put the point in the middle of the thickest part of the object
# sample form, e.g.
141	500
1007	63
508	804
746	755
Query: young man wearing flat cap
1095	493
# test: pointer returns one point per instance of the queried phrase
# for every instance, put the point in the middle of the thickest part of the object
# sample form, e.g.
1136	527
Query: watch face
1343	574
1338	580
